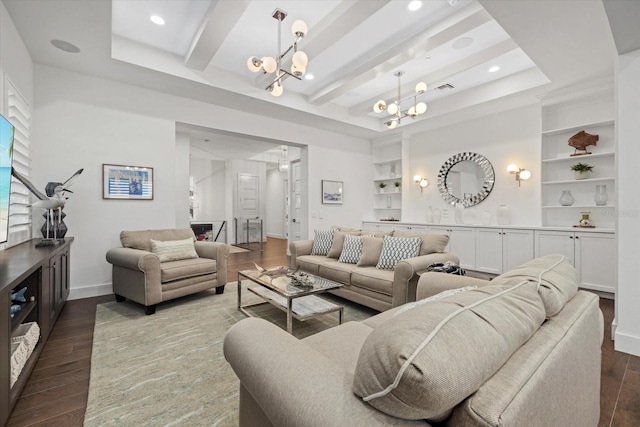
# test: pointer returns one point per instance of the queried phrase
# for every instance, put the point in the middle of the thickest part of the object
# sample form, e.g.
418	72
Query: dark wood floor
56	393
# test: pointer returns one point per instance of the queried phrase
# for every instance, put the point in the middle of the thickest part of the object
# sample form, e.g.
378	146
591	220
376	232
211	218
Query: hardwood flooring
56	393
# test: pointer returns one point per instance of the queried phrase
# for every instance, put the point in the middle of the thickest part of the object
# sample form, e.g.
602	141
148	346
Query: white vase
429	216
436	215
504	215
486	218
459	212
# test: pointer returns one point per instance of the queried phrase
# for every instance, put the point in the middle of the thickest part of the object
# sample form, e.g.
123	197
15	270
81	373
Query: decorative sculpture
581	140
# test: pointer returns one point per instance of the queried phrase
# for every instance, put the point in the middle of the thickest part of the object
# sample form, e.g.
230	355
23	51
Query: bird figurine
581	140
57	198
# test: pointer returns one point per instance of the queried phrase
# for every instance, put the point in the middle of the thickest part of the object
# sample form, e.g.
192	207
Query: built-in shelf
579	181
386	209
397	178
387	161
388	194
576	128
578	207
578	158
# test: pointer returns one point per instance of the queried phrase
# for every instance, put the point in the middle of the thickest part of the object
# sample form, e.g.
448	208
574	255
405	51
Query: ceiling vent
446	86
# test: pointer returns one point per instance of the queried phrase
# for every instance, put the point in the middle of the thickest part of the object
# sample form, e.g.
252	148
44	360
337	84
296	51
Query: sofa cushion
371	250
556	278
311	263
182	269
337	271
173	250
380	281
351	250
376	233
431	243
338	242
140	239
322	241
395	249
425	361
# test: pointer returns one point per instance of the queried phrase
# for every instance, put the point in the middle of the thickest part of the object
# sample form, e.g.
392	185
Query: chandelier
269	65
394	108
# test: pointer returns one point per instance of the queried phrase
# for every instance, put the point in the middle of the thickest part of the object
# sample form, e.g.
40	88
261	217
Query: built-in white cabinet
592	254
461	243
411	228
501	249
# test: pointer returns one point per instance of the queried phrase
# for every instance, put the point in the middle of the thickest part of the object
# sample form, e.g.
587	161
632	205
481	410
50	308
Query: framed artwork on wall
127	182
332	192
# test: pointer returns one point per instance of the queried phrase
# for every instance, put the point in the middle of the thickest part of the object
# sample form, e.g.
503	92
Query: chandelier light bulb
254	64
296	71
513	168
269	64
299	28
421	108
525	174
300	59
391	124
412	112
393	109
421	87
277	89
379	106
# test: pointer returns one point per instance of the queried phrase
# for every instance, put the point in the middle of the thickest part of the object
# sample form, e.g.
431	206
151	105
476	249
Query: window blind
19	114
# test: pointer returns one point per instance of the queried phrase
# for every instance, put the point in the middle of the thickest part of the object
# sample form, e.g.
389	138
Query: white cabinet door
489	250
410	228
517	248
596	257
462	242
370	226
556	242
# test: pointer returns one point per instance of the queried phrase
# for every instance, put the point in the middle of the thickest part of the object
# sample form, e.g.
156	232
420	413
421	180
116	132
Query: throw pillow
371	250
395	249
173	250
351	250
431	243
338	241
322	242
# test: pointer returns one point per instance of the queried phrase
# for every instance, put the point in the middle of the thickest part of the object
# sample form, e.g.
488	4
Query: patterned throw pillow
395	249
173	250
322	242
351	249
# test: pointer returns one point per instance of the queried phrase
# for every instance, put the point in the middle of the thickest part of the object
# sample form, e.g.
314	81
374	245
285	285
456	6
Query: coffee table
297	301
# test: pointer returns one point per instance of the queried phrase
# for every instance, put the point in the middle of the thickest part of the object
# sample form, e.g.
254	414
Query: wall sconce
521	174
421	182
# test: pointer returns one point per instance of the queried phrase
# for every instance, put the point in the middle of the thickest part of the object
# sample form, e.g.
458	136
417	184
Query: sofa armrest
304	388
405	275
219	252
432	283
299	248
133	259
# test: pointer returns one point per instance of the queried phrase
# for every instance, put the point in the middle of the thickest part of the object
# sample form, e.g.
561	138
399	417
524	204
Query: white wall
84	121
210	188
15	61
504	138
627	334
274	222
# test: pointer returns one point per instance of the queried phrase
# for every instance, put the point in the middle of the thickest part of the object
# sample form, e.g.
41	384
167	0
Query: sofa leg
220	289
120	298
149	309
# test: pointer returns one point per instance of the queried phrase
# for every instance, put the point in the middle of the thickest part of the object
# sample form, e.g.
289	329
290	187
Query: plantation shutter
19	114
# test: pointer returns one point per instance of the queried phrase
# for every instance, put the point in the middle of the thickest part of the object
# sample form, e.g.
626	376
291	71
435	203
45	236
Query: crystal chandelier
394	108
270	65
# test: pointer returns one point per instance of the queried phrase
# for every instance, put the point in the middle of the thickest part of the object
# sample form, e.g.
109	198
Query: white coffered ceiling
354	47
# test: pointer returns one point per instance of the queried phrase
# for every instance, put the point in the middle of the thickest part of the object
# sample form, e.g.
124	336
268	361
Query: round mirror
466	178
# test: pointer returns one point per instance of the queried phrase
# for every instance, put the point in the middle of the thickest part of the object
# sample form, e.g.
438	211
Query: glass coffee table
299	301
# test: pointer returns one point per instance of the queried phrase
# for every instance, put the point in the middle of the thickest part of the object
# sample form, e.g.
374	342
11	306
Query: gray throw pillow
322	242
395	249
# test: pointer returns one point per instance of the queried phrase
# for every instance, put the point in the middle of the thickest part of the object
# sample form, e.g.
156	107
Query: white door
286	208
248	207
295	225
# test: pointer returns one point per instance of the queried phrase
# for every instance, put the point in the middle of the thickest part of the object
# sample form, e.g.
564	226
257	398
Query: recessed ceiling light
494	69
66	46
462	42
157	20
414	5
308	76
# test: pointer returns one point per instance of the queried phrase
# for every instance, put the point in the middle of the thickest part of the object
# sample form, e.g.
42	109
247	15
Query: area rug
168	369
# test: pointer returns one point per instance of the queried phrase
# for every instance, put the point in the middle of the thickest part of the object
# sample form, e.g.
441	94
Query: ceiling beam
216	26
440	74
344	18
369	67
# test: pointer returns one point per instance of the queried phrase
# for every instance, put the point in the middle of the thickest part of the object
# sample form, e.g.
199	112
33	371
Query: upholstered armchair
153	266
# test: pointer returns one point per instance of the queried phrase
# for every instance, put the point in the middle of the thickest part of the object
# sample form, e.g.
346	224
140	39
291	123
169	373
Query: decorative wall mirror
466	178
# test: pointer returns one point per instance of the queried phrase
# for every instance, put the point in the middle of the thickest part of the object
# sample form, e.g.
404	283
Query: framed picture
127	182
332	192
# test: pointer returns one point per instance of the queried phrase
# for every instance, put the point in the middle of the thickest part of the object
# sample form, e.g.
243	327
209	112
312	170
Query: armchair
148	279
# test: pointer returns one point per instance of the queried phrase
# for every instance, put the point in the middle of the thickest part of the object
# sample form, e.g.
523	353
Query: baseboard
90	291
276	236
614	326
627	343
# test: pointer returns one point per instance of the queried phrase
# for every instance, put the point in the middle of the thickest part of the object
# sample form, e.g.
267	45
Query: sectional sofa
521	350
365	281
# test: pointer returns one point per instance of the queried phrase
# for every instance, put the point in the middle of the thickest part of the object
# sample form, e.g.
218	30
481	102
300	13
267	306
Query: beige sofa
521	350
153	266
365	284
